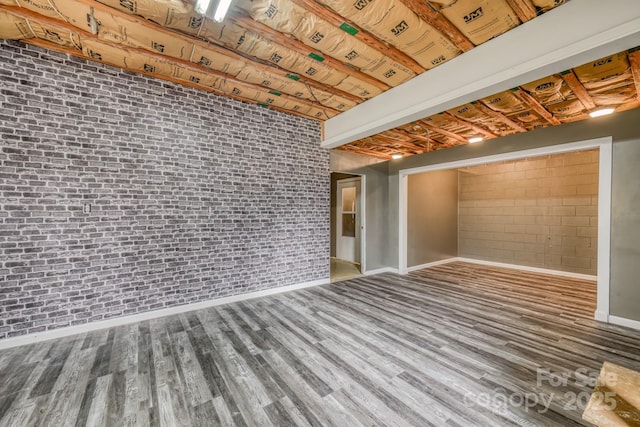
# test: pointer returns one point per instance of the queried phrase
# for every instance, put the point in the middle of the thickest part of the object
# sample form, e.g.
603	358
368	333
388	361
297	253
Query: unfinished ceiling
609	82
319	59
314	59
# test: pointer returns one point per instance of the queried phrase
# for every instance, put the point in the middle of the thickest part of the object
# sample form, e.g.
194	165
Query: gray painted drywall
625	230
376	196
432	217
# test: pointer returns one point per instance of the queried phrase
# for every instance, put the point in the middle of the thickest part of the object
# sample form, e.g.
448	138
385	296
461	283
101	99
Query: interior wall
376	197
432	217
625	230
539	212
623	128
335	177
192	196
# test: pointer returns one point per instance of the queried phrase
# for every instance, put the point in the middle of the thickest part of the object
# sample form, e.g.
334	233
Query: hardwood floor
454	345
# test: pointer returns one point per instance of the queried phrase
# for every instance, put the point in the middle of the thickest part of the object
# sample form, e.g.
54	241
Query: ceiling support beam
562	41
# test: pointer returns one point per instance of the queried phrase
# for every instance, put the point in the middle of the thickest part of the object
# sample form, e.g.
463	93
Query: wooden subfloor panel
456	345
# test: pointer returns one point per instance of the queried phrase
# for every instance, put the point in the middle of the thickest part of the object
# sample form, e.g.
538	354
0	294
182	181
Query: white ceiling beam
568	36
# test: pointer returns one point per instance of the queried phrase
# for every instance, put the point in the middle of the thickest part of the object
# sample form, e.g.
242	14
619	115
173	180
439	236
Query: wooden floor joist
470	125
525	9
28	14
578	89
634	60
533	103
442	131
364	36
440	23
267	32
500	117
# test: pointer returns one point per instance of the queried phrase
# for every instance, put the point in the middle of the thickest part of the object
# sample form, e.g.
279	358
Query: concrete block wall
192	196
540	212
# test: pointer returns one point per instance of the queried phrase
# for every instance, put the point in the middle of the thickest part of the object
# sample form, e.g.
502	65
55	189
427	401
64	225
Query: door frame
605	166
363	216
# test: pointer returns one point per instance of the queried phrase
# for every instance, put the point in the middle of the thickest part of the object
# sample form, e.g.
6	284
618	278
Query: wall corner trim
621	321
433	264
381	270
149	315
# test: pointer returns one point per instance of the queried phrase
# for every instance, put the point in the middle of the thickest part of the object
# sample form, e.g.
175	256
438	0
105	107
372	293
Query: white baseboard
381	270
621	321
433	264
601	316
125	320
531	269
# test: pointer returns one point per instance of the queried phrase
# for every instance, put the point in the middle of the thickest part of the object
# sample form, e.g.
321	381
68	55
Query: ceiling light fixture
602	112
475	139
204	6
221	10
396	156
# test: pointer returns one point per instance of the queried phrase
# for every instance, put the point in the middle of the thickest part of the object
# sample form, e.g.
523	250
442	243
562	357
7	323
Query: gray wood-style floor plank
444	346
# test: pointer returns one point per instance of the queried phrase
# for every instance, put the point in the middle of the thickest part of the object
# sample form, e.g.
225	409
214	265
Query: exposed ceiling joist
562	41
442	131
475	127
574	84
249	24
525	9
634	60
364	36
537	107
440	23
500	117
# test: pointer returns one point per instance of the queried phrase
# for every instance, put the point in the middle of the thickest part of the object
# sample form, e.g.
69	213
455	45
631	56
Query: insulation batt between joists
479	20
548	89
115	30
396	24
615	97
180	16
605	71
24	29
504	102
320	35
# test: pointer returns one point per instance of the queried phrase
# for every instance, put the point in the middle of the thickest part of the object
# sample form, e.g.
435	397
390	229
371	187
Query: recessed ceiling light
602	112
396	156
475	139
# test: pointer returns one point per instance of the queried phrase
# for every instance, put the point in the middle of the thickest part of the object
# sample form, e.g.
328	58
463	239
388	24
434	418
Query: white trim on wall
604	204
149	315
621	321
363	219
433	264
381	270
530	269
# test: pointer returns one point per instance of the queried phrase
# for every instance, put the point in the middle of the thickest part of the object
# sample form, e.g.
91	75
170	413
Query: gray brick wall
193	196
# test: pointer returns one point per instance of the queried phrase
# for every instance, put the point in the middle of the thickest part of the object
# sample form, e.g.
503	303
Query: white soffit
565	37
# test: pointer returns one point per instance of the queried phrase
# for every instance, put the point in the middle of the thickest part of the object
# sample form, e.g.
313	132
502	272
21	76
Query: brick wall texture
192	196
540	212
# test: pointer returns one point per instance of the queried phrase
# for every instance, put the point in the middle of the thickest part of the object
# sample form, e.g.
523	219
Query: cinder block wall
539	212
193	196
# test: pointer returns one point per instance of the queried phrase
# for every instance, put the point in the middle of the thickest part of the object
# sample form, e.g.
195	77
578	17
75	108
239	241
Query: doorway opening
599	228
347	226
